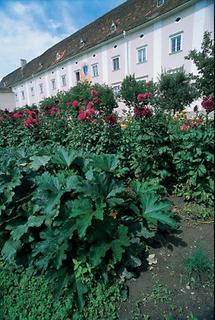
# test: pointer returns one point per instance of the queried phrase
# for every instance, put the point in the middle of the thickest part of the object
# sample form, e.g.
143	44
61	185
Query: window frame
23	94
160	4
97	68
63	80
41	88
146	54
53	82
32	91
114	86
114	58
174	36
78	72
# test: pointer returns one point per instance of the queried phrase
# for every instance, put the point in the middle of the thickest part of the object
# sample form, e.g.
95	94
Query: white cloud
20	36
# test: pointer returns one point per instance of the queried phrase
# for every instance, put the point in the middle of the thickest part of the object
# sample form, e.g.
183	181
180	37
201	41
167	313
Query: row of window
175	46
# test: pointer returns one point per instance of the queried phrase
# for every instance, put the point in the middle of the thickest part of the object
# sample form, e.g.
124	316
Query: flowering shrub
208	104
193	158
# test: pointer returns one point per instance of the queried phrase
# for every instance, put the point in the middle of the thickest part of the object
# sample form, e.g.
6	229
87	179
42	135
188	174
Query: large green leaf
39	161
10	249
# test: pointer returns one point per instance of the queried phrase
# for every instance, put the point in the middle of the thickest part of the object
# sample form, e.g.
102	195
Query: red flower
28	123
82	115
140	97
143	96
94	93
185	127
142	112
52	111
94	121
208	104
75	104
90	111
90	105
43	113
17	115
96	100
111	119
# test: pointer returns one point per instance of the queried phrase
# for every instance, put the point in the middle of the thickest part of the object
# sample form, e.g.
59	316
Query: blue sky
29	27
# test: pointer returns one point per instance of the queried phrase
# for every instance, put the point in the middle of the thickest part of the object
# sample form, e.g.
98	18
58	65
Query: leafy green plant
204	61
198	265
198	211
175	91
68	206
160	293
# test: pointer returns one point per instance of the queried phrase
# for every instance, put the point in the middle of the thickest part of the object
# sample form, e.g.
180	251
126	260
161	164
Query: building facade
141	37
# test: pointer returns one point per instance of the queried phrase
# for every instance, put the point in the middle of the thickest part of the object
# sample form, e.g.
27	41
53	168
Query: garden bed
166	291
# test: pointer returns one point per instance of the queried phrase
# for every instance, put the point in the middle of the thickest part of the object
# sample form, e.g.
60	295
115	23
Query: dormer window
82	43
113	27
160	3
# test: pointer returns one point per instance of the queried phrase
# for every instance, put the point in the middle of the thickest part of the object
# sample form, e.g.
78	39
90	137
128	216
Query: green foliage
26	296
130	89
198	211
145	142
67	206
160	293
175	91
194	161
204	61
96	137
198	265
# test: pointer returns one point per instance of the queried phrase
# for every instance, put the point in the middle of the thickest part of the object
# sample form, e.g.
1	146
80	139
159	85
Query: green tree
204	61
175	91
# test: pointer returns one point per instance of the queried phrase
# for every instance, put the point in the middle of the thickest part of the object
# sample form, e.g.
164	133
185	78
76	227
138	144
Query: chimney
23	63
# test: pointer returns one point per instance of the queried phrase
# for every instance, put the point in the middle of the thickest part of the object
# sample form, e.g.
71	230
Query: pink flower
90	111
82	115
28	123
43	113
143	96
140	97
94	93
90	105
96	100
185	127
17	115
52	111
94	121
73	104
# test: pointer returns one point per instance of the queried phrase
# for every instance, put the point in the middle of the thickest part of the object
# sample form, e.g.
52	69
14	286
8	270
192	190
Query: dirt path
166	288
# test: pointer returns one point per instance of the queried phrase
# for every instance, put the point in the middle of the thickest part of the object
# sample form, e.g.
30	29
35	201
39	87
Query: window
116	90
160	3
95	70
41	88
175	70
63	79
32	91
77	76
143	78
53	84
175	43
141	55
115	62
23	95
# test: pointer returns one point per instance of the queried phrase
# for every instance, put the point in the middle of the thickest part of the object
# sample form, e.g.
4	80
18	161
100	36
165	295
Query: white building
7	99
141	37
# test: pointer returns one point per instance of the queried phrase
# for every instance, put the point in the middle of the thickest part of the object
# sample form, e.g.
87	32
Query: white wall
194	21
7	101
